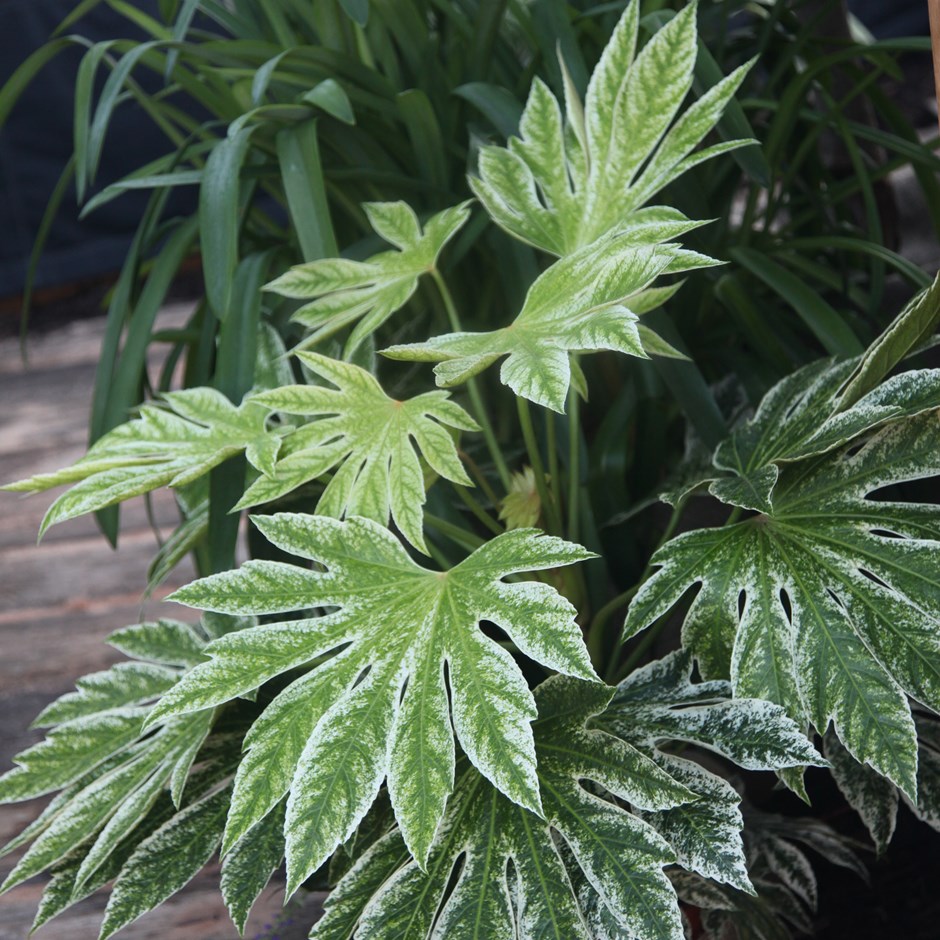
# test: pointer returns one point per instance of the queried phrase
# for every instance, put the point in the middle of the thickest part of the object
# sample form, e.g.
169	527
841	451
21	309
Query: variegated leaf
166	861
582	303
112	774
341	293
374	440
799	418
874	798
169	445
466	890
660	704
827	605
373	701
567	180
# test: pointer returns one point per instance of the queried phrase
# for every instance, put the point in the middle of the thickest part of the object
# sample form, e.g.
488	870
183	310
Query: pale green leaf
566	181
166	446
580	304
163	641
122	685
344	726
828	605
364	294
373	439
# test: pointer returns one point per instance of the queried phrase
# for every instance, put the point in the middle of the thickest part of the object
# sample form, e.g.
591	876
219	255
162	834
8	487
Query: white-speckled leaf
828	605
800	417
621	858
373	439
580	304
165	862
364	294
170	445
874	798
247	869
566	181
660	704
331	737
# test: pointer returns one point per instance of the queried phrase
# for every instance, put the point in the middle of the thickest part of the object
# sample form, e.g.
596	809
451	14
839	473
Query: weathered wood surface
58	602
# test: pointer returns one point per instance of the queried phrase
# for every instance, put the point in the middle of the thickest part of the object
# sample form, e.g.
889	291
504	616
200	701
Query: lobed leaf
568	180
197	430
582	303
372	439
827	604
342	293
374	701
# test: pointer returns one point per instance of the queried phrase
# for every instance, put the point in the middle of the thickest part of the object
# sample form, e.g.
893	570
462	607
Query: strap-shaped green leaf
166	446
372	438
566	181
374	701
582	303
342	292
828	604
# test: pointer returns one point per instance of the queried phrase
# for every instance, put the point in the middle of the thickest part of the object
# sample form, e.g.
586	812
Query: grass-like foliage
413	692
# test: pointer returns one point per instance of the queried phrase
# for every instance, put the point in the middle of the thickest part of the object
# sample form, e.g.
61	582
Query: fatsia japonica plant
411	693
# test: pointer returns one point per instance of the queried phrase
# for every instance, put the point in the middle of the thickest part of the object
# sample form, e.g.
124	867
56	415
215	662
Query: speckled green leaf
248	867
364	294
197	430
567	180
166	861
580	304
375	702
799	418
828	605
660	704
372	439
466	889
874	798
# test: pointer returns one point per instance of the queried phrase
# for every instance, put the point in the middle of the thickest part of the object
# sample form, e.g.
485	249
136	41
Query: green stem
551	445
467	498
535	459
574	465
597	633
473	388
480	477
462	537
641	649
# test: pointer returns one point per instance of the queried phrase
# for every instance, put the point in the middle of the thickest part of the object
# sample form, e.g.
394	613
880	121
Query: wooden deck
58	602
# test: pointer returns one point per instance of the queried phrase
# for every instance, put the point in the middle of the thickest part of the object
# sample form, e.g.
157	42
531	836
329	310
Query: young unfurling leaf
374	701
373	440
